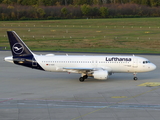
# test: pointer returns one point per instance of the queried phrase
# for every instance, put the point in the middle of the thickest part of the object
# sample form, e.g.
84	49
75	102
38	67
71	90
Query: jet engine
101	74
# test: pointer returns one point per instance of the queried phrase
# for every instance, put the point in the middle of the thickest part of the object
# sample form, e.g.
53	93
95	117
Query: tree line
72	9
80	2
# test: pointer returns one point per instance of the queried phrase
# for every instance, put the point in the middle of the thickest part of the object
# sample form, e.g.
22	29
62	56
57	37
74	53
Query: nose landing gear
135	78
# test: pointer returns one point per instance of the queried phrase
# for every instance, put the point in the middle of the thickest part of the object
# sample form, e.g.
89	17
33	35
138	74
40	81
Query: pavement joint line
116	103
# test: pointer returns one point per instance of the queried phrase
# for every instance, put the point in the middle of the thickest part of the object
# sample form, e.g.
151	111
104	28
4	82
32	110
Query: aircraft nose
153	67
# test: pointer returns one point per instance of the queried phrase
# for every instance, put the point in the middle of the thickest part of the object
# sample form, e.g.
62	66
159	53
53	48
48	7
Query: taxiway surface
27	94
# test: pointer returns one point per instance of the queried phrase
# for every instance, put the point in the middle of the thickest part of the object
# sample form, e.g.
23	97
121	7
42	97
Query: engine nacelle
101	74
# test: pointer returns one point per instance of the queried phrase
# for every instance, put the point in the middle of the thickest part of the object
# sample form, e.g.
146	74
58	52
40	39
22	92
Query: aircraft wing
81	70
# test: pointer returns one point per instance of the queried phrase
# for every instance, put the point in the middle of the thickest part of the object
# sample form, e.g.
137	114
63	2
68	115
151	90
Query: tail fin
22	55
18	47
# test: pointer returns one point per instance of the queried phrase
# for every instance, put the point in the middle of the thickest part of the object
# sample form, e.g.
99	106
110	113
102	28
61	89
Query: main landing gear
135	78
81	79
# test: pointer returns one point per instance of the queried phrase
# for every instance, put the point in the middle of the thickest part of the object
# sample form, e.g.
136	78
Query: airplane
98	67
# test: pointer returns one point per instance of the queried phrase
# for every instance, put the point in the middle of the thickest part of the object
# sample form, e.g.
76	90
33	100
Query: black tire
135	78
81	79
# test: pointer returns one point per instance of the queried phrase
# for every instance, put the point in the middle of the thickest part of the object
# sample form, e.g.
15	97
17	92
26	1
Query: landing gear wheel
135	78
81	79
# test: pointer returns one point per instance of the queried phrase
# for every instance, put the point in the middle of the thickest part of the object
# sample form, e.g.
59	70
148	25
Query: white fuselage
113	64
99	67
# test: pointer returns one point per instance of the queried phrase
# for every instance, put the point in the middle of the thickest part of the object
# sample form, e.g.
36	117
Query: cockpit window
145	62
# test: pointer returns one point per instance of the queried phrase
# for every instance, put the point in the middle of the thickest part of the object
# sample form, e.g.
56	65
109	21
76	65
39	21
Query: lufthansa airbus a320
99	67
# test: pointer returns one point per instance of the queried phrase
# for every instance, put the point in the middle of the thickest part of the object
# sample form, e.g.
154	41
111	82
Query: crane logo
18	48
